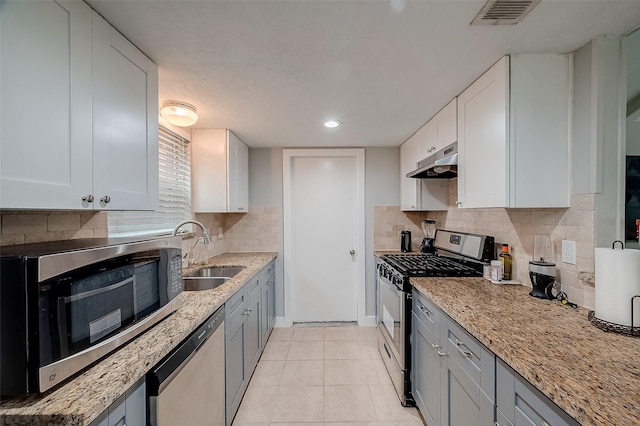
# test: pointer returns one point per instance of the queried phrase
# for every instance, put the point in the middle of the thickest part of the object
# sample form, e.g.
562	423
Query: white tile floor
322	376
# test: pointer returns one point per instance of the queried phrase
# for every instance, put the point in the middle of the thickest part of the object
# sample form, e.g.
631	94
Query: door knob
352	252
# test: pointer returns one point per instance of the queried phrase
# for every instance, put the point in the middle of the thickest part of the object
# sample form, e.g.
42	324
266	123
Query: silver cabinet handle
88	198
434	346
458	203
352	252
440	353
106	199
466	353
425	310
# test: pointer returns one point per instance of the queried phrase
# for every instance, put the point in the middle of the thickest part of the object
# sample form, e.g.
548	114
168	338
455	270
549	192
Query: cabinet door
468	380
462	400
426	368
409	186
45	126
271	301
446	125
235	372
482	140
267	312
238	180
426	137
125	123
253	337
209	170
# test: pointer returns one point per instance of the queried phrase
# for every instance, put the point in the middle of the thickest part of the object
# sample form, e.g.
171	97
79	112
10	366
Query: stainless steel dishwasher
187	386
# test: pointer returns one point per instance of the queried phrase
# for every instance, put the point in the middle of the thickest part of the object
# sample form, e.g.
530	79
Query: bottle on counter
506	261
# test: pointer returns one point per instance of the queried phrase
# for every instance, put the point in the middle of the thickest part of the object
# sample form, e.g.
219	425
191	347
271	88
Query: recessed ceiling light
332	123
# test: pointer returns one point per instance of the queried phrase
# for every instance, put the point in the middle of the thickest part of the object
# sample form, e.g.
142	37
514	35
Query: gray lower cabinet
453	375
129	409
268	276
249	318
242	343
520	404
458	381
425	377
468	379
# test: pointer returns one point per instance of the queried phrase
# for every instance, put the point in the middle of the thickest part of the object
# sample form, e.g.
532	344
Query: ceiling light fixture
332	123
179	113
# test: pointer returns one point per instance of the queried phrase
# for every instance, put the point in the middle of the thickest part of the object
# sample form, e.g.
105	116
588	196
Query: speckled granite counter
593	375
82	399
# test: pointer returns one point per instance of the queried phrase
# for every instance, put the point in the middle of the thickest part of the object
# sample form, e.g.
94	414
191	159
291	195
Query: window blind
174	206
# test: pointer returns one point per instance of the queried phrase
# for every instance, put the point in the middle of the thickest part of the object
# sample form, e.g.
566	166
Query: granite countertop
591	374
83	398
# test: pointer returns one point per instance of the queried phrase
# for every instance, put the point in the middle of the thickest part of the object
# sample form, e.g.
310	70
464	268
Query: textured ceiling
274	71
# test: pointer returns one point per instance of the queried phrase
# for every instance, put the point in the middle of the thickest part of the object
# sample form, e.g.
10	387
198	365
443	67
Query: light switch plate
569	251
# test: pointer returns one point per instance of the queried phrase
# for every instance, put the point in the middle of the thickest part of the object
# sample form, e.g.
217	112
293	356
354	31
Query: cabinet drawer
267	271
235	307
252	287
471	356
523	404
427	312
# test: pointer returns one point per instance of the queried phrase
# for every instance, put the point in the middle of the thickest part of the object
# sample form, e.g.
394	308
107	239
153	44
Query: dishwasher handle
162	374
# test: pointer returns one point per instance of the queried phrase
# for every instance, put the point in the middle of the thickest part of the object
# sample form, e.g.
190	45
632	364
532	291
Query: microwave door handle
97	291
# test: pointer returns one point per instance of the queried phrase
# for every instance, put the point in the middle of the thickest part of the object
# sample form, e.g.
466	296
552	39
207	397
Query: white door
324	241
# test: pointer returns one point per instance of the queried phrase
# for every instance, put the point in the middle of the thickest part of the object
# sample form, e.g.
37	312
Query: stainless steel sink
217	272
203	283
210	277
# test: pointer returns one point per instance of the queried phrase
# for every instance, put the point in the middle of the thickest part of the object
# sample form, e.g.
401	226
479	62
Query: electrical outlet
569	251
220	233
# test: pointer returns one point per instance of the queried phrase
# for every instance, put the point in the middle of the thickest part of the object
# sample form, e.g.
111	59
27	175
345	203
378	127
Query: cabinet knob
440	353
106	199
425	310
88	198
459	203
240	209
352	252
434	346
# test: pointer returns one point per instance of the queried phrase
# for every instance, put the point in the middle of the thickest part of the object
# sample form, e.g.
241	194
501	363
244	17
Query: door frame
287	156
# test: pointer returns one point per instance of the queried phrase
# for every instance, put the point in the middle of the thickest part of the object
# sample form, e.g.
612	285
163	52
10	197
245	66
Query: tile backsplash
34	226
515	227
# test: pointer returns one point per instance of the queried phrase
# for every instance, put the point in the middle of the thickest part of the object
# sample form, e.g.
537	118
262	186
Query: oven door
391	316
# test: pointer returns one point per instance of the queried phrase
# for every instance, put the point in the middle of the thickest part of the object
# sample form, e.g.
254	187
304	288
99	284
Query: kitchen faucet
206	238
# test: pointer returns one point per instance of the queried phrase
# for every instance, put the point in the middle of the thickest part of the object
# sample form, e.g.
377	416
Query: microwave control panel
175	277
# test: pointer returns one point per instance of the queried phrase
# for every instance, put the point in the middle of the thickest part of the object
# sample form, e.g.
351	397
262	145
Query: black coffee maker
543	278
429	229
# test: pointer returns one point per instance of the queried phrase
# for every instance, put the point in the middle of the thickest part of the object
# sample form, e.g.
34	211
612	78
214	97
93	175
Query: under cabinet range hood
442	164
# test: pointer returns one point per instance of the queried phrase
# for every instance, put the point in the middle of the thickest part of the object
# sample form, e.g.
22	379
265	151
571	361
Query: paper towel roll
617	281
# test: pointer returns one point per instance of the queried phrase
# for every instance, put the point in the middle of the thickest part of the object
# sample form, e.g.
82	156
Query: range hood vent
441	165
504	12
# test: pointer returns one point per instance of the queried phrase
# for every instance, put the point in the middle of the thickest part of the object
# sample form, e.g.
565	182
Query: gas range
458	254
432	265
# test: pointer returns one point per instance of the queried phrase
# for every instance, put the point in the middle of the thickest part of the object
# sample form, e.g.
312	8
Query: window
174	204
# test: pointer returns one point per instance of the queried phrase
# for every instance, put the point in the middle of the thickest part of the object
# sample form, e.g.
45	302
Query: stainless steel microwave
66	304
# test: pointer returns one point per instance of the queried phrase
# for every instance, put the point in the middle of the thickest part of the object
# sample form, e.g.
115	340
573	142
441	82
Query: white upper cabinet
440	131
45	126
79	112
419	194
514	134
220	170
125	122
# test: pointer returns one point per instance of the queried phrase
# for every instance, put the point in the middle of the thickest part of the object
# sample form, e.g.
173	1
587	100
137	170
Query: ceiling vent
504	12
